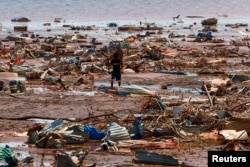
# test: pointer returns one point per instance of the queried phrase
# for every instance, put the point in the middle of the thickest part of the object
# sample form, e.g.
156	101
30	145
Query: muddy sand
177	78
20	112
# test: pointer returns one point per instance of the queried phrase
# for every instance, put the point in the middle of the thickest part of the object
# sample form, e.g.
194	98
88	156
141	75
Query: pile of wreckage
149	57
161	124
80	54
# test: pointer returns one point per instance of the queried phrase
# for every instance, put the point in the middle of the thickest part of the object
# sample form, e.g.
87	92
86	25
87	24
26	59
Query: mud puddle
171	89
42	121
14	144
84	93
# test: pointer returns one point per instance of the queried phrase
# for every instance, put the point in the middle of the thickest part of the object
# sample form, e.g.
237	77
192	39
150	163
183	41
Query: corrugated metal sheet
116	132
52	126
72	138
136	90
154	158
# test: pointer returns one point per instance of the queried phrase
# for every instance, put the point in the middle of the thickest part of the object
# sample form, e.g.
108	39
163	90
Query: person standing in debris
117	64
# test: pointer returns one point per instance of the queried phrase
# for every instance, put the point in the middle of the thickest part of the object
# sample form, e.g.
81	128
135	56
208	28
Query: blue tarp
94	134
112	24
204	35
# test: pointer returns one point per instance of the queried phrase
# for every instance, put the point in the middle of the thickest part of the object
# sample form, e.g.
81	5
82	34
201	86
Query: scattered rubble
76	61
209	21
20	19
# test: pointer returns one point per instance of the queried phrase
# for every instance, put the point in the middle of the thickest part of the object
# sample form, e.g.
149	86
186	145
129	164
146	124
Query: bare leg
119	83
112	83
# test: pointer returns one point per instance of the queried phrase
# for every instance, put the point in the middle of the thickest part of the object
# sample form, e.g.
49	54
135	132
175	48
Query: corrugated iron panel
52	126
117	132
154	158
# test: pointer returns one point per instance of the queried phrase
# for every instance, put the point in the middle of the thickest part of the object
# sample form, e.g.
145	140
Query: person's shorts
116	75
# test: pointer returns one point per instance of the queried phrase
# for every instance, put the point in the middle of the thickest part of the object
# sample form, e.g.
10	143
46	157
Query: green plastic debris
222	114
160	103
8	156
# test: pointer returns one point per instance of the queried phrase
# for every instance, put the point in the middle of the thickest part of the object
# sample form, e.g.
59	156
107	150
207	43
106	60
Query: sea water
101	12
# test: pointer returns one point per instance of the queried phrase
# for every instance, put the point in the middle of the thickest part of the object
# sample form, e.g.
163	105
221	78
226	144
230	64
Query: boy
116	62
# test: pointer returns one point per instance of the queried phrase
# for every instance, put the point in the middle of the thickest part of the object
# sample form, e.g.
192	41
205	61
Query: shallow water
173	89
157	88
14	144
107	84
99	12
85	93
42	121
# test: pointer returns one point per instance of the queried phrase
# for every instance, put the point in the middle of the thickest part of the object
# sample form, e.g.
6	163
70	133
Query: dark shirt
116	63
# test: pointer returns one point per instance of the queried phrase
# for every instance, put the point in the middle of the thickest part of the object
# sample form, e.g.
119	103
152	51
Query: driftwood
37	117
191	100
210	99
239	105
67	119
184	101
52	118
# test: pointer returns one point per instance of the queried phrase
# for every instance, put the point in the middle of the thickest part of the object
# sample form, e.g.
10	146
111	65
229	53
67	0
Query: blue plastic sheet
137	129
94	134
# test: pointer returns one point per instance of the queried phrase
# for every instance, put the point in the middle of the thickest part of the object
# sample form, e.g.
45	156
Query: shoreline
169	24
146	58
